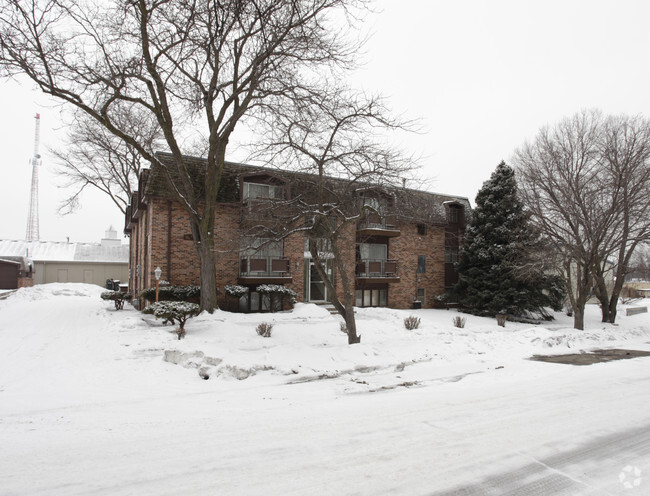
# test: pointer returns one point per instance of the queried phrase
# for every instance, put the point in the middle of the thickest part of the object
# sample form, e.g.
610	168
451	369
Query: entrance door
317	289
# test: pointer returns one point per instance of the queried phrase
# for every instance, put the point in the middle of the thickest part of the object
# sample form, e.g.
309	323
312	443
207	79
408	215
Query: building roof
417	205
60	251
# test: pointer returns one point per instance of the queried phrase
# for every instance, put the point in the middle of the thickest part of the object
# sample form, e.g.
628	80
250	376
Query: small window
422	264
451	254
254	191
422	229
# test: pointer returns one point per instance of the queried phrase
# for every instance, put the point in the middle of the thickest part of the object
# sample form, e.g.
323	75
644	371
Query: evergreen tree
497	271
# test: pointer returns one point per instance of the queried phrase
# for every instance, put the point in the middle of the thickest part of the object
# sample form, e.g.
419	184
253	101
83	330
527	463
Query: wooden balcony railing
264	267
377	269
373	223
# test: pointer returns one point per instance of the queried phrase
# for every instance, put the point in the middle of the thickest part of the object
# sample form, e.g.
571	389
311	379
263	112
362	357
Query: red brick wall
181	265
406	249
25	282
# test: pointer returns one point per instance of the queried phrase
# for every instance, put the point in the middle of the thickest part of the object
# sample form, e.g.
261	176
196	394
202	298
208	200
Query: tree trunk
579	317
351	325
602	293
345	309
350	321
204	243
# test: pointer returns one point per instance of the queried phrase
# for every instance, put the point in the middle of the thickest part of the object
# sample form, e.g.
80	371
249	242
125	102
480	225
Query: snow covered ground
89	404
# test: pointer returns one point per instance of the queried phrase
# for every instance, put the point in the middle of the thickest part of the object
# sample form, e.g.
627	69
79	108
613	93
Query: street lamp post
157	273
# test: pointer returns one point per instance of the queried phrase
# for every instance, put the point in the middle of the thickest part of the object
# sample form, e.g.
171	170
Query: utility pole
32	233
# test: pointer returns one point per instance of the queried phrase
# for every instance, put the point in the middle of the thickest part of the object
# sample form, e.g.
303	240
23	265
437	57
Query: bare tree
586	182
625	153
93	157
187	64
560	179
335	143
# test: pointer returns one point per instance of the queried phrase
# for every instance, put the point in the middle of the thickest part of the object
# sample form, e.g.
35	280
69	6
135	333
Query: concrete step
328	306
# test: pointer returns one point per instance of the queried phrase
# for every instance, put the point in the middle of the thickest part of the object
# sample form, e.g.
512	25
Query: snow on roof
61	251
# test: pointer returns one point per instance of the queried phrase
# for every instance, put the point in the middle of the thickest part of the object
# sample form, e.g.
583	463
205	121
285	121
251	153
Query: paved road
593	468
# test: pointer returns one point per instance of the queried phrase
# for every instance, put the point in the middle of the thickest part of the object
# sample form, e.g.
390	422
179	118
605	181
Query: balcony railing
374	223
377	269
264	267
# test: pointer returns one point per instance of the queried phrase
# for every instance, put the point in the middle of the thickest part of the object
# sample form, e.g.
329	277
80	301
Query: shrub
171	311
280	292
458	321
344	328
412	322
115	295
235	291
501	319
118	297
277	289
191	293
264	329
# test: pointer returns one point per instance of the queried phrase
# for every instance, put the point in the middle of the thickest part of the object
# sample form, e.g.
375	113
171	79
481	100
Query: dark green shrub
191	293
278	294
116	296
172	311
235	290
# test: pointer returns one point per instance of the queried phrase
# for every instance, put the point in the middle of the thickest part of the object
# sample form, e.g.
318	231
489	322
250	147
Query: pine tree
497	271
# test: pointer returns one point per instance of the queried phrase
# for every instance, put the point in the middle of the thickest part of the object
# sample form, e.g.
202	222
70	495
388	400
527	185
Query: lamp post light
157	273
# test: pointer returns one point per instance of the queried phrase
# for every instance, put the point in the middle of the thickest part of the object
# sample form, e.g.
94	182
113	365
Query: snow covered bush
277	294
458	321
264	329
235	291
191	293
412	322
171	311
116	296
277	289
501	319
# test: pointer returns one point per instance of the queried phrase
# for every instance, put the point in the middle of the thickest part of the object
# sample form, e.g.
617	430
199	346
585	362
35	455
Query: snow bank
67	336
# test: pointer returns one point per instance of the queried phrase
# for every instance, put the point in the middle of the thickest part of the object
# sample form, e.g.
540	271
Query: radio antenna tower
32	233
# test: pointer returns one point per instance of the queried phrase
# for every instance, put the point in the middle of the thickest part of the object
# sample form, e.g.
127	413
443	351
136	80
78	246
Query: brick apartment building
402	256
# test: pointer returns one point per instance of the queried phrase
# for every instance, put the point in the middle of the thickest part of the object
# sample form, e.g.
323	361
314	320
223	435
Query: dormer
378	218
262	186
455	214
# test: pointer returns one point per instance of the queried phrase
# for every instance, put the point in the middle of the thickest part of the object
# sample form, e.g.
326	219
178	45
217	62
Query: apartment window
422	264
422	229
451	254
374	297
323	245
379	206
260	247
373	251
454	214
255	191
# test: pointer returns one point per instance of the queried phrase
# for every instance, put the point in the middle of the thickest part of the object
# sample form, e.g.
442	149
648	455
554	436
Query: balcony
264	270
375	270
374	225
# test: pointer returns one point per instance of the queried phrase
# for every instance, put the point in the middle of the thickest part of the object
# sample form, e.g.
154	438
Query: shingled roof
411	204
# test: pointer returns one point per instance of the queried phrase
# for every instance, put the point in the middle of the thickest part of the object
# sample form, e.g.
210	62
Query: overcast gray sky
482	76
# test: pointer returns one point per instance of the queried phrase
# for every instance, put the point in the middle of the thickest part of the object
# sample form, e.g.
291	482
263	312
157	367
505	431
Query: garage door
8	276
